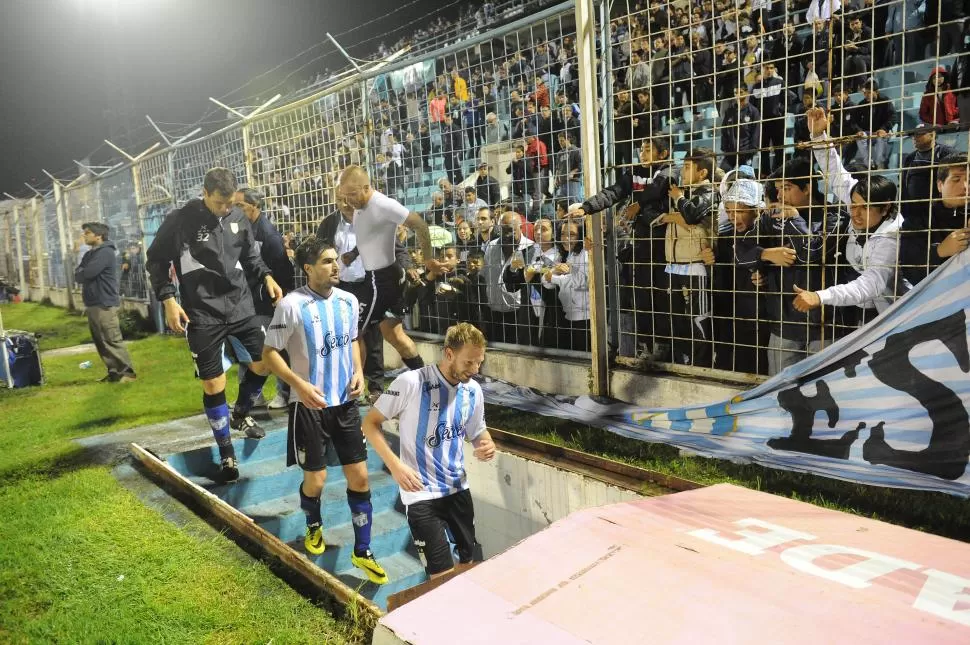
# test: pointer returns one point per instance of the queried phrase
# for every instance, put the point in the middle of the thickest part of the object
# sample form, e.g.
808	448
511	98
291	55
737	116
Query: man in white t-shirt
317	326
375	223
439	407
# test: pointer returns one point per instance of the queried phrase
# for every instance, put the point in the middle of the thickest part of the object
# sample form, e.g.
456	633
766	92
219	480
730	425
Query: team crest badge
235	227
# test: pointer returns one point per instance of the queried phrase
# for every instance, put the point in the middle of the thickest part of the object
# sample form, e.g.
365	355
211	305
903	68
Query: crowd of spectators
740	240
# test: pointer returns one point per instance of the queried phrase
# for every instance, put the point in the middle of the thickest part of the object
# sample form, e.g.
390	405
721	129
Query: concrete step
390	536
404	571
202	460
283	517
267	479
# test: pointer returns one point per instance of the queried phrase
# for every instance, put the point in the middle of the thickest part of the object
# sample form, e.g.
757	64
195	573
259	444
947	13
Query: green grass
84	561
57	326
73	404
932	512
70	530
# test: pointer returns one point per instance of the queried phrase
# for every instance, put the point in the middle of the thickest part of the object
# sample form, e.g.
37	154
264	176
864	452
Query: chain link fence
740	221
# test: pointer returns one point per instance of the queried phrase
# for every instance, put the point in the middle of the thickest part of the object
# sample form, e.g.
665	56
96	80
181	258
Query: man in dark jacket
916	180
783	248
487	187
928	238
452	149
740	131
769	97
271	250
213	249
98	275
878	117
642	276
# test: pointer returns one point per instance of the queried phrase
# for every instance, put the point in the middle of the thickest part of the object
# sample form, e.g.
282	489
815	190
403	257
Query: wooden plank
403	597
608	470
244	525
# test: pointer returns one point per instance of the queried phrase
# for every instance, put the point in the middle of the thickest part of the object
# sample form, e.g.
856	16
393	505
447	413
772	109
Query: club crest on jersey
332	341
234	227
430	387
445	432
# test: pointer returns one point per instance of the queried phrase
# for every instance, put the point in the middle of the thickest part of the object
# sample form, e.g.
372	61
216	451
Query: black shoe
230	469
245	423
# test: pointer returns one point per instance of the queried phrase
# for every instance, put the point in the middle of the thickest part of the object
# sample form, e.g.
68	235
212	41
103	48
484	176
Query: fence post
67	260
247	156
19	255
39	247
589	134
368	129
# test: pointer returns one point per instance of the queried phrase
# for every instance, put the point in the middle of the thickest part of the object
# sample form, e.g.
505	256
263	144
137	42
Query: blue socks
311	507
217	412
249	391
361	512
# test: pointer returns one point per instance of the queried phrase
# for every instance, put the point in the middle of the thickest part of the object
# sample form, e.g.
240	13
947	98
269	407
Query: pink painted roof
636	573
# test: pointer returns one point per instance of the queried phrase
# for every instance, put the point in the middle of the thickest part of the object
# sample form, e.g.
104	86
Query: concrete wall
58	297
515	497
571	378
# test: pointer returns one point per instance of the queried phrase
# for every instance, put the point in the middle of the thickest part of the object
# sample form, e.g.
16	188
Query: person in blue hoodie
100	288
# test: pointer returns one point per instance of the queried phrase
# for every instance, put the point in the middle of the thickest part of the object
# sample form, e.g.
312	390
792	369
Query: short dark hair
97	228
876	189
948	162
797	171
470	190
220	180
476	255
703	159
252	197
660	144
310	250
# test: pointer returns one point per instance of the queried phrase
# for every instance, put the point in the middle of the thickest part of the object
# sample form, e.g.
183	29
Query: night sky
75	72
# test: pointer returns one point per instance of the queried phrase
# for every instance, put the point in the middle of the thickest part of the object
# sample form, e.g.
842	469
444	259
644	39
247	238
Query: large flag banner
886	405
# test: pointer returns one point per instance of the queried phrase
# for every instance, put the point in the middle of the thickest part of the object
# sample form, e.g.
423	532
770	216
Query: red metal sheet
721	564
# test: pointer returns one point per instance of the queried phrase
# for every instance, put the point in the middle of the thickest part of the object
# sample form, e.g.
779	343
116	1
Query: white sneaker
278	403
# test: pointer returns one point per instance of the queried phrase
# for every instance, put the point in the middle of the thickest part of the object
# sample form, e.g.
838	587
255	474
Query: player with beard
439	408
317	326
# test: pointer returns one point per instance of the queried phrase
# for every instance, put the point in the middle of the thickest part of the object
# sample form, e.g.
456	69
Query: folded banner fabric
886	405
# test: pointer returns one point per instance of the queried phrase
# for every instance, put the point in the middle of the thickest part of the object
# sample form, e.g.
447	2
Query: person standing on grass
98	275
439	408
317	327
213	249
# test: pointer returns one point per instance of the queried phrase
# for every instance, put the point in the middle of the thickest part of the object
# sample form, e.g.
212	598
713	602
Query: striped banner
886	405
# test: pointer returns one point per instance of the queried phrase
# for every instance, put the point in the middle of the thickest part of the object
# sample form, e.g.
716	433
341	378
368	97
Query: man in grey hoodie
98	275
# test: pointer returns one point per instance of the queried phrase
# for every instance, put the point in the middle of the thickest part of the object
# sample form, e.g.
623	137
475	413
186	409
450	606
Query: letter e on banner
941	594
754	542
856	575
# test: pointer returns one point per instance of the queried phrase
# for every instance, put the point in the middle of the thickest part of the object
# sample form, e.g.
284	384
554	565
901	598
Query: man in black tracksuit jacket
213	249
642	277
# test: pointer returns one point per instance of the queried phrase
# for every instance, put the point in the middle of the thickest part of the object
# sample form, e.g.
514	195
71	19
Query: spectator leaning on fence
98	276
873	236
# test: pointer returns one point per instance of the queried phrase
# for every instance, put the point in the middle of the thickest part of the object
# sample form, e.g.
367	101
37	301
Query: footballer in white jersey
439	408
317	326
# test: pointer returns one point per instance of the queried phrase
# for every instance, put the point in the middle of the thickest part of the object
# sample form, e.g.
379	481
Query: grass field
81	558
58	327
